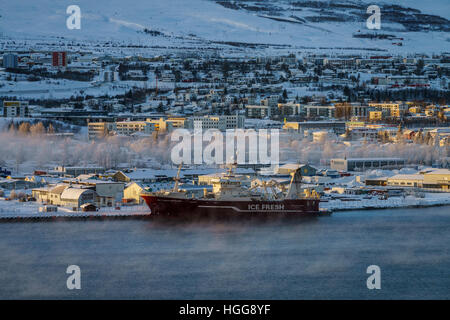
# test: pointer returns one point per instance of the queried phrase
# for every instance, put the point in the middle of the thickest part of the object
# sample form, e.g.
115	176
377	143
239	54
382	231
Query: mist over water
28	152
323	258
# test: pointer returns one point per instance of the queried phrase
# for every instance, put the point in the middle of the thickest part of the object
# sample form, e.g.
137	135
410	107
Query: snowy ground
16	209
197	23
430	199
59	89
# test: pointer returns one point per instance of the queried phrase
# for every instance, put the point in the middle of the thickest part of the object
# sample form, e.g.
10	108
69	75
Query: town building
434	179
406	180
216	122
364	133
362	164
99	130
257	111
76	171
338	127
316	111
14	109
351	110
289	168
10	60
107	192
169	124
375	115
394	110
76	197
131	127
59	59
132	193
64	195
290	109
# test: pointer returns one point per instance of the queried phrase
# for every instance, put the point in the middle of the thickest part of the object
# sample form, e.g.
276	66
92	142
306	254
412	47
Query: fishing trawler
230	199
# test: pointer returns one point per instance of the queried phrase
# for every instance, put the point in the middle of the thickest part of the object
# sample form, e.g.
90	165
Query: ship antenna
177	178
232	166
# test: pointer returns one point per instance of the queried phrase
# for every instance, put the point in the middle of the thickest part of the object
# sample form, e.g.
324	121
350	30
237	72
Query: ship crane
272	184
274	191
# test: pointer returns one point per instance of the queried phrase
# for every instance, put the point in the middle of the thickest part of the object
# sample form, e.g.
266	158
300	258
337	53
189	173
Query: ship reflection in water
324	258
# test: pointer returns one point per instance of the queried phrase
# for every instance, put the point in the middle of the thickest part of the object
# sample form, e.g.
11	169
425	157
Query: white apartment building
258	112
99	130
320	111
216	122
127	128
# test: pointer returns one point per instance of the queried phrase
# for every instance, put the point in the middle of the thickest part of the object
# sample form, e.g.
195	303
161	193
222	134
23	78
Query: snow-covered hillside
193	23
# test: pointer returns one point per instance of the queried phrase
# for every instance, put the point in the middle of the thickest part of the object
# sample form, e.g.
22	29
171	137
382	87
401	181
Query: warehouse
362	164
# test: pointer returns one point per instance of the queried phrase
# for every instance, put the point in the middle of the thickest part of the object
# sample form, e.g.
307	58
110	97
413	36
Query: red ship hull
211	208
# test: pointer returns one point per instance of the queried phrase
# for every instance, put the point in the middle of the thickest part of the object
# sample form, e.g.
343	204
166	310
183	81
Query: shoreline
386	208
146	216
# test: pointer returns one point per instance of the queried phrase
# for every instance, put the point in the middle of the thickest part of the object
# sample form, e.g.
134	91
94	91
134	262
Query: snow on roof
292	166
407	177
58	189
87	176
73	193
436	171
129	184
170	173
372	159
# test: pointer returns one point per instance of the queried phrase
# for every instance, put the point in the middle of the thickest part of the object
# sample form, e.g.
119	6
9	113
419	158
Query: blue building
10	60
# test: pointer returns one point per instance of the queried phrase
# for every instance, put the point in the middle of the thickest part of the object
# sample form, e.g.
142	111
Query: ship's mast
231	168
295	185
177	178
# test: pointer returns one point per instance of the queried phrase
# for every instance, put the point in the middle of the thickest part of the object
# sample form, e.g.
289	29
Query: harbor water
322	258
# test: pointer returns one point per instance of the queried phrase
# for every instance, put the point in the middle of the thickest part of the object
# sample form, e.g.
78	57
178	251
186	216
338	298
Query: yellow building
133	192
437	178
98	130
13	109
391	109
430	111
291	126
162	125
415	110
375	115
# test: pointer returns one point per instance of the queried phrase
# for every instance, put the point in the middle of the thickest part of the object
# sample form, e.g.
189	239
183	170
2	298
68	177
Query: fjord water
323	258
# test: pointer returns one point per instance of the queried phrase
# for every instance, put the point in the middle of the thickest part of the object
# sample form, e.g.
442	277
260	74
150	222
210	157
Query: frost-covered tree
37	129
24	128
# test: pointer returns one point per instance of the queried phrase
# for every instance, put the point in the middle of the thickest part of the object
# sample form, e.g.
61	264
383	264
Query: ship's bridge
227	186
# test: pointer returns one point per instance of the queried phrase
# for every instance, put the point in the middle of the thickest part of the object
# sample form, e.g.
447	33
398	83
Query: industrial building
338	127
362	164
